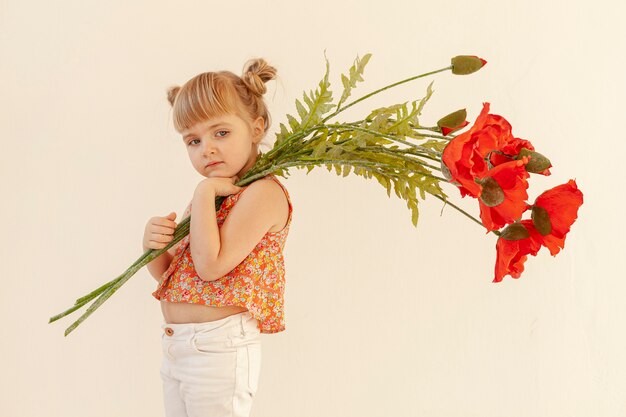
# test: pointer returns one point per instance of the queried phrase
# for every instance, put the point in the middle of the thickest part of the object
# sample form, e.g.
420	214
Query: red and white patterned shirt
257	283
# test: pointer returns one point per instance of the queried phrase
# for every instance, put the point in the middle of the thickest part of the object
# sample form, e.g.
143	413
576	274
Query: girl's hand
159	232
219	186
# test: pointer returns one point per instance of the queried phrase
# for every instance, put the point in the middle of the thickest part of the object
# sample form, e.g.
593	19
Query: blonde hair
212	94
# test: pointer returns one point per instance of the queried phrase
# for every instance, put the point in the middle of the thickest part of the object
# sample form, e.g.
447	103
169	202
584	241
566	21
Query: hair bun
256	73
172	92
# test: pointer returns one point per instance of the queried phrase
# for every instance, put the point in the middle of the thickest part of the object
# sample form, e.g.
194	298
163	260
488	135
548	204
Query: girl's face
224	146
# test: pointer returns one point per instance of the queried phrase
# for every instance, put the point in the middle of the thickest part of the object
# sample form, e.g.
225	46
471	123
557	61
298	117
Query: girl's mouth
212	164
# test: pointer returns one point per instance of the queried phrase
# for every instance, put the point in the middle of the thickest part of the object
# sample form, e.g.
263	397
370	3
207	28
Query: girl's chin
217	175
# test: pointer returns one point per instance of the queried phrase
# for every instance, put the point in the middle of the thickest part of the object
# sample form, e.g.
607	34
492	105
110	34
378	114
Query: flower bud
453	121
537	164
515	231
491	194
541	220
466	64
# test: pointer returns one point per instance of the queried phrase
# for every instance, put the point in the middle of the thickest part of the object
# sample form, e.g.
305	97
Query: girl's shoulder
274	178
268	184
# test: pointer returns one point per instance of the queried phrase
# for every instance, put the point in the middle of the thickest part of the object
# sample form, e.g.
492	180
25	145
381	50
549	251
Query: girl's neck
254	156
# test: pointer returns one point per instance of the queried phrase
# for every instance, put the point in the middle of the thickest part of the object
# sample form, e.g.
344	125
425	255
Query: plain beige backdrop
383	319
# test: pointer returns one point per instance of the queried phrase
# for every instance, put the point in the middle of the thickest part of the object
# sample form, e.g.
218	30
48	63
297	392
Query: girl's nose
209	148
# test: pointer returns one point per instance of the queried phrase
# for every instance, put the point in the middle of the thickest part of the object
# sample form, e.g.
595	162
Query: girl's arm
160	264
216	252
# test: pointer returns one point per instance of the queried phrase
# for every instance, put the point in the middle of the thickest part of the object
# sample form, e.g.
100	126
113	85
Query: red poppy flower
464	156
459	156
503	195
554	212
511	254
511	147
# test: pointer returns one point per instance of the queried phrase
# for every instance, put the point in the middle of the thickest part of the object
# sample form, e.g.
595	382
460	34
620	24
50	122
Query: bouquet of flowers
485	162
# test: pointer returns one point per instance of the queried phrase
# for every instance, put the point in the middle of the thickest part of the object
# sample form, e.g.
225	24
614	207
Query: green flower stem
109	292
353	162
106	290
412	152
393	152
305	132
435	129
426	135
447	138
70	310
178	235
497	233
96	292
106	286
390	137
414	127
383	89
286	141
366	164
307	152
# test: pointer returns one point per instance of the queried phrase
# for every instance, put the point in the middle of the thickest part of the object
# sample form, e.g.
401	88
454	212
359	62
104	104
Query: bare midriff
196	313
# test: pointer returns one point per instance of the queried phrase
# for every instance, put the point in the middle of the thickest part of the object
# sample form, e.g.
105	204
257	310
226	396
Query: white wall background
383	319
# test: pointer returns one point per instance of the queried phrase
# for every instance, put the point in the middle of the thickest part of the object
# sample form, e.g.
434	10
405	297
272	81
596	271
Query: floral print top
257	283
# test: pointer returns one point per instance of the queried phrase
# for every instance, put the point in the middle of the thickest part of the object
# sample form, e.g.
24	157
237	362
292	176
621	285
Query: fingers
160	231
157	245
164	222
161	238
163	230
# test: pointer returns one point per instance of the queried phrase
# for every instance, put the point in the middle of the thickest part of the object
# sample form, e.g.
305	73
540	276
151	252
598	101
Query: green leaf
293	123
319	150
435	144
414	215
301	110
317	103
429	92
320	103
284	133
355	72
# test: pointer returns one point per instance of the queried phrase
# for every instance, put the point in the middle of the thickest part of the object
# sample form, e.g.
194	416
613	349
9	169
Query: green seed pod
515	231
538	163
466	64
492	193
541	220
453	119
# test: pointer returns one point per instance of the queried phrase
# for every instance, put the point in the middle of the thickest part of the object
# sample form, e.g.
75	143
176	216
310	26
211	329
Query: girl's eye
219	131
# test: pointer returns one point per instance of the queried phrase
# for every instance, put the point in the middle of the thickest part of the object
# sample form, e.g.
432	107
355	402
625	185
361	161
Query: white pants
211	369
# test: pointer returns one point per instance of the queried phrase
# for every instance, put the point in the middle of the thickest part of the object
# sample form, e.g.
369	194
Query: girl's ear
259	127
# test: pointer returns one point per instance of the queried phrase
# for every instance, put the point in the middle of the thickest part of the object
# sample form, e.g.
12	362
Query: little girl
223	284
